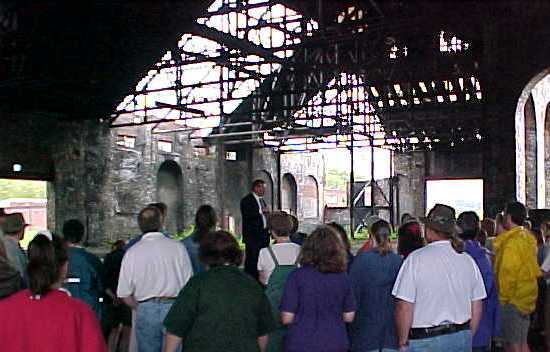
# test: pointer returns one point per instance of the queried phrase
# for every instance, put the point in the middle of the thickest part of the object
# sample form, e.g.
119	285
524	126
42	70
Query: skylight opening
206	77
451	44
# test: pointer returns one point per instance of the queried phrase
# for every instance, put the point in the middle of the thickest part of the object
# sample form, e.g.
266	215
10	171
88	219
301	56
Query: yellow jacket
517	269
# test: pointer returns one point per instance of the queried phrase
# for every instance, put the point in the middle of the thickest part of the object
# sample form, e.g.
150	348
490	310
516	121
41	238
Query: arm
262	277
130	301
287	318
249	208
477	309
348	317
262	342
171	342
403	321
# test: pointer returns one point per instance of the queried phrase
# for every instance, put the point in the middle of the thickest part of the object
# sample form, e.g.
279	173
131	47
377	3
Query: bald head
150	220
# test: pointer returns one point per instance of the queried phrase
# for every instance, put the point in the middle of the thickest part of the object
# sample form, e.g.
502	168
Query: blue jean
149	325
458	342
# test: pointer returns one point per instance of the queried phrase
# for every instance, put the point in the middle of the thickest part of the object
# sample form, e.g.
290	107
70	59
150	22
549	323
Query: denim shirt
489	323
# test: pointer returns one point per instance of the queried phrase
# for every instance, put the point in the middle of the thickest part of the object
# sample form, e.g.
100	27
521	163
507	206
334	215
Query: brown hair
149	219
340	230
46	258
205	221
219	248
409	238
381	230
324	251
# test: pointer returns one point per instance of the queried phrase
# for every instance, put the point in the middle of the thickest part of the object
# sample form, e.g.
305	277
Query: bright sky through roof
205	96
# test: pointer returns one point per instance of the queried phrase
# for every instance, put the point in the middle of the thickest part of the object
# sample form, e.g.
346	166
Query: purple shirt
318	301
489	323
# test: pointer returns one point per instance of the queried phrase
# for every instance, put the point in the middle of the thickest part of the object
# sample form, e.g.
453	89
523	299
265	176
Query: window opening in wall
126	141
231	156
461	194
165	146
29	198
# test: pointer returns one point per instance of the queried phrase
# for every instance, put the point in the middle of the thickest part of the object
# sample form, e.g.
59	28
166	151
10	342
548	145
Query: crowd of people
447	284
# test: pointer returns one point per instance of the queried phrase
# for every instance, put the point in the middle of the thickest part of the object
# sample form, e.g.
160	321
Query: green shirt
222	309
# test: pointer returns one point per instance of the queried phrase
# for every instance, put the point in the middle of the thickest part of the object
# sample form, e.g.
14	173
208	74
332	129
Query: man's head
163	208
14	225
515	214
406	218
440	223
258	187
73	231
150	220
280	224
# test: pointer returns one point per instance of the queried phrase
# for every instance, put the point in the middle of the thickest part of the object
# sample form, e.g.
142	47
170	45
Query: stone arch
310	198
547	154
531	185
289	194
170	192
520	139
266	177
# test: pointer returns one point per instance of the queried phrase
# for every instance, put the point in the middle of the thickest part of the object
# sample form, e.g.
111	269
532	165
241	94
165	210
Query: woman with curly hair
318	300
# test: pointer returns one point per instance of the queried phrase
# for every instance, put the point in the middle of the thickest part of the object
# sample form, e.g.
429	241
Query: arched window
530	153
310	198
289	193
169	191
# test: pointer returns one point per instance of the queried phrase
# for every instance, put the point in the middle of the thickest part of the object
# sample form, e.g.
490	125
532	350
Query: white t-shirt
545	266
286	254
441	283
156	266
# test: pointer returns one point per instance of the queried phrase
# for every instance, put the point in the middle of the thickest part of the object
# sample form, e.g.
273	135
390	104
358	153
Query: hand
404	348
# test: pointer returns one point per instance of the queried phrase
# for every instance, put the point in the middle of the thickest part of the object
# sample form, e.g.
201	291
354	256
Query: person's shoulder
285	247
187	240
14	299
91	256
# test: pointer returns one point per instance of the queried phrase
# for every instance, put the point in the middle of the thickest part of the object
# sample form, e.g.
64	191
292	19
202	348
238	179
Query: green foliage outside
22	189
189	230
336	179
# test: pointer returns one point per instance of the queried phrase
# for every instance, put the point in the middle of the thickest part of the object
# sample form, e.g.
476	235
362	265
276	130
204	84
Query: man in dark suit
254	212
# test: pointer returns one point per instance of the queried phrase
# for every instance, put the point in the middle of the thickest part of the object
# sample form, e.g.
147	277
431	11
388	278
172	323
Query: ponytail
46	259
381	231
457	244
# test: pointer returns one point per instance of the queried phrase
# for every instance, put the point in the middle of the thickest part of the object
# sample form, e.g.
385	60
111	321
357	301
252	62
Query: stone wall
72	156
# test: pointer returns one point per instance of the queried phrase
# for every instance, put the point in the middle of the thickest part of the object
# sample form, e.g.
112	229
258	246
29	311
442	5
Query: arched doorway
169	191
268	196
310	198
289	194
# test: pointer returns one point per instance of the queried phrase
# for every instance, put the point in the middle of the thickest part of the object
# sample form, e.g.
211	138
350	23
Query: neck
57	285
282	239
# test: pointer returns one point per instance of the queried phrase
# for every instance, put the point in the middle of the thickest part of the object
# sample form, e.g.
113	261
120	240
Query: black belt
158	299
424	333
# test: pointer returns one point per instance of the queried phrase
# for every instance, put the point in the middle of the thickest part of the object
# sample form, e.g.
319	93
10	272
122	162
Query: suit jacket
252	223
